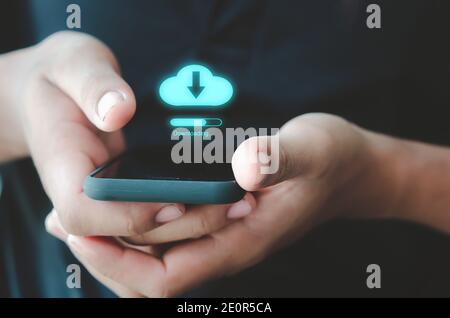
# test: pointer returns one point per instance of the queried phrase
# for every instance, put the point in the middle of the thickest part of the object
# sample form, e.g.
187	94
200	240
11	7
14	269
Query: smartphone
148	174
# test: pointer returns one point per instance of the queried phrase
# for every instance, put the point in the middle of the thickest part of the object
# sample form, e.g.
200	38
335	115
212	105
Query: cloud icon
195	85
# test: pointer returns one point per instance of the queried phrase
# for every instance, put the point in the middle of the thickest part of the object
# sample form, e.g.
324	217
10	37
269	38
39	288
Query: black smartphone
148	174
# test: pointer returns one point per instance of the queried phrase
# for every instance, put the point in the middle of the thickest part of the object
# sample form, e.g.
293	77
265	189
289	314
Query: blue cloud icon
195	85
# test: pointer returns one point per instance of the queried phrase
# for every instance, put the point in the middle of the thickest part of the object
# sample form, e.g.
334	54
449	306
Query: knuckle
58	37
32	84
89	90
93	87
67	48
64	46
137	223
132	227
69	219
200	227
63	40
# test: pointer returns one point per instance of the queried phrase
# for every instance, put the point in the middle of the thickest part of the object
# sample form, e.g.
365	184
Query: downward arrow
196	89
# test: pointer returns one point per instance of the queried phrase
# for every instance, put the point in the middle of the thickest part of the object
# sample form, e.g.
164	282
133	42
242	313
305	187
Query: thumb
298	149
87	71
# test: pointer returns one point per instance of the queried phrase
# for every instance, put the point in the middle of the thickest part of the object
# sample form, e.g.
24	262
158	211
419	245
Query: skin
329	168
50	110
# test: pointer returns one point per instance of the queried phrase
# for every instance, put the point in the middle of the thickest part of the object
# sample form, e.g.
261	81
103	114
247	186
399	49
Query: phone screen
155	162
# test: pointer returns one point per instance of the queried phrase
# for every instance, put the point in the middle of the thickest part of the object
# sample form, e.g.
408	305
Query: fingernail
53	226
167	214
239	210
107	102
75	244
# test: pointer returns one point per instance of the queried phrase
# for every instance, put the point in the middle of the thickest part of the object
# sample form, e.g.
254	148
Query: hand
323	165
74	104
65	102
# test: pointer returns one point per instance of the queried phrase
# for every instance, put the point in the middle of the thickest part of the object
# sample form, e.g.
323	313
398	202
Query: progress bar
196	122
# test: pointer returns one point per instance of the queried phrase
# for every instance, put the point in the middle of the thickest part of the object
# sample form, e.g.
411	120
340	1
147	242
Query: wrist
376	189
12	138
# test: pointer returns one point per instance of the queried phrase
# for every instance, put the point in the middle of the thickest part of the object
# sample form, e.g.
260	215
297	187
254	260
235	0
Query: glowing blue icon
195	85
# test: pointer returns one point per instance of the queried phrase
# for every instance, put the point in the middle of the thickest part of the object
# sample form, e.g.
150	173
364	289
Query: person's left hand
323	165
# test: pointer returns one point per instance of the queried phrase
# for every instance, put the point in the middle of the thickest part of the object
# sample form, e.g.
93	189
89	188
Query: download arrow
196	89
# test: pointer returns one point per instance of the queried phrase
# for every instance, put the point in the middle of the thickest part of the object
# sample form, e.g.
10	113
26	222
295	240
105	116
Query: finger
65	150
299	148
128	267
117	288
87	71
81	215
182	267
186	265
54	227
114	142
198	221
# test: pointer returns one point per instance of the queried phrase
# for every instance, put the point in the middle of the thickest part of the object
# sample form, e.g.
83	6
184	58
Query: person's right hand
67	100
